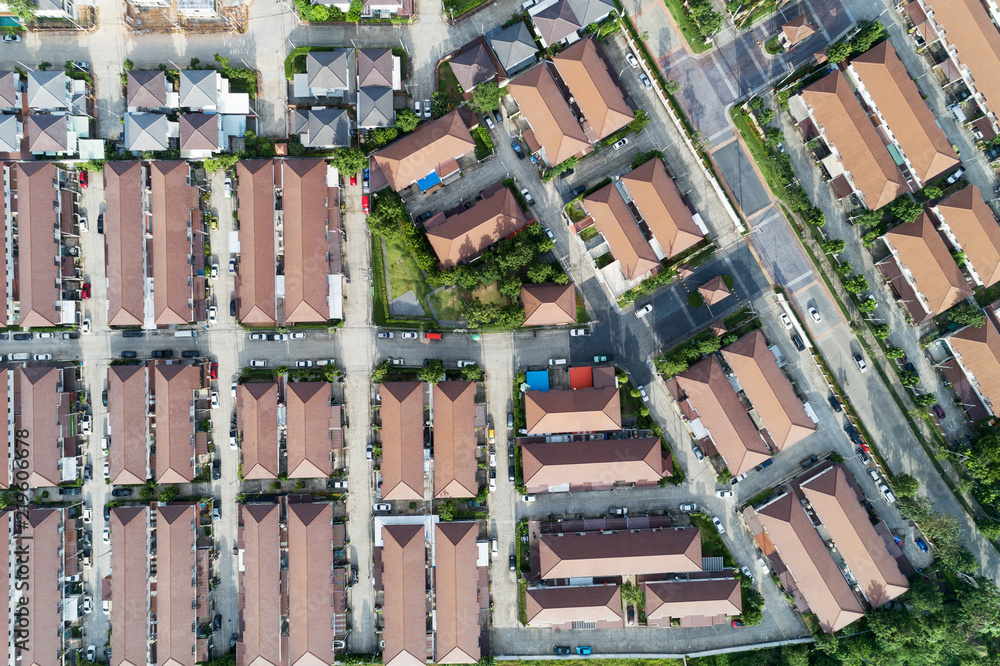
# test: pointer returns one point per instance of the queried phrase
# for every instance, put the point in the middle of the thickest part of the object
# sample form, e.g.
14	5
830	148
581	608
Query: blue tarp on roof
429	181
538	380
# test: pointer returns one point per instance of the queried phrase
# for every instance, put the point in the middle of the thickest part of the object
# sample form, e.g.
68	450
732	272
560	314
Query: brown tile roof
694	602
456	593
909	119
306	241
564	605
585	410
6	527
10	83
175	562
130	592
260	594
542	104
255	284
464	236
769	390
455	440
977	231
402	435
174	387
797	30
853	136
600	554
5	470
593	464
310	563
38	272
655	196
125	229
804	554
473	66
38	403
417	154
548	304
586	74
733	432
199	131
556	22
257	405
835	501
146	89
47	133
714	290
405	609
934	270
979	349
375	68
975	37
127	420
173	203
40	604
308	420
618	226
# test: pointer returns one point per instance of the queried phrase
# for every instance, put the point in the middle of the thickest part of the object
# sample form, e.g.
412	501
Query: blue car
583	649
922	545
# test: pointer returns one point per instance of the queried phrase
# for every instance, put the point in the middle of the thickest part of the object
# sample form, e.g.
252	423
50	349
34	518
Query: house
177	589
10	91
558	20
125	223
970	227
663	214
619	553
565	411
632	253
328	74
859	158
387	8
795	31
548	304
456	593
555	131
697	602
428	156
256	290
593	464
455	442
474	64
513	46
977	356
312	430
463	236
404	611
11	134
200	89
770	392
918	143
176	229
378	76
48	91
257	406
322	127
174	386
584	70
260	594
716	416
147	132
146	90
50	135
40	400
922	271
128	424
575	606
309	587
131	545
402	416
201	135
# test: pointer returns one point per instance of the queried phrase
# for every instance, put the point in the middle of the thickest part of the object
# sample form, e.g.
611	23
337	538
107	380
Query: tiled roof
145	89
566	604
618	226
37	246
310	586
473	66
974	35
455	439
586	75
127	421
402	416
255	285
548	304
308	421
602	554
260	593
695	602
175	595
174	202
200	131
130	591
257	405
405	609
565	411
596	463
306	241
465	235
976	228
456	593
421	152
554	124
123	242
174	387
655	196
980	352
47	134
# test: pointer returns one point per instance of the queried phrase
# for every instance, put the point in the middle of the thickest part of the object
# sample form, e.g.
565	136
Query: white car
213	315
643	394
875	477
258	336
303	364
620	143
409	335
382	506
417	109
786	320
88	605
697	453
463	364
745	570
889	497
227	185
215	270
107	469
85	327
644	310
528	498
493	458
632	60
862	366
579	332
494	547
106	606
46	336
427	108
718	524
215	399
87	515
297	336
762	563
689	507
106	535
232	266
646	83
551	236
528	199
386	335
723	493
234	389
814	313
91	649
257	363
43	357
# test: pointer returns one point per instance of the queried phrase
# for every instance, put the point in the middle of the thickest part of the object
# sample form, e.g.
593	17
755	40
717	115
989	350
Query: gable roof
130	591
308	421
976	228
255	284
405	609
310	585
306	240
38	402
123	242
257	405
47	90
921	250
329	70
10	85
797	30
175	595
548	304
473	66
973	34
600	554
710	394
465	235
407	160
200	131
199	88
38	608
10	133
556	22
174	386
655	196
332	127
589	11
714	290
564	411
127	421
806	557
769	390
260	584
835	502
375	68
600	99
714	598
979	349
38	247
145	89
552	120
852	135
600	462
402	436
375	107
566	604
618	226
146	131
456	593
513	45
173	203
909	118
48	134
455	439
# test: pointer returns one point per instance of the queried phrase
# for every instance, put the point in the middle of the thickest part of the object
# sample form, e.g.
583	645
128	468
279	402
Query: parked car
369	452
493	479
386	335
862	366
874	475
213	315
632	60
215	399
955	175
718	525
602	358
91	649
887	493
417	109
464	364
583	649
227	188
510	474
646	83
643	394
786	320
43	357
697	453
217	623
106	535
215	270
304	364
551	236
723	493
561	650
745	570
738	625
129	354
921	544
87	472
409	335
510	420
216	469
397	361
528	199
87	515
938	411
620	143
25	336
121	492
232	265
644	310
365	208
516	146
764	465
853	433
427	108
75	490
862	455
835	404
297	336
762	563
213	371
797	341
579	332
82	176
100	223
513	563
85	327
258	336
15	39
258	363
528	498
622	512
814	313
189	353
689	507
489	121
216	513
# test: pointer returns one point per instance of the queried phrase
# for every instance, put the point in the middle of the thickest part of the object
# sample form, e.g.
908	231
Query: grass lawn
597	662
582	316
404	274
448	85
758	151
773	46
687	26
711	541
766	9
456	8
448	302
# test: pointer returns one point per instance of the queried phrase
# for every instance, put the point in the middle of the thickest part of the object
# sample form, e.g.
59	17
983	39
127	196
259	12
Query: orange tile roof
175	385
977	231
456	593
712	599
127	421
600	554
255	284
175	559
548	304
564	605
655	196
980	352
130	592
174	205
306	241
37	404
260	586
414	156
38	247
594	463
465	235
404	612
39	574
402	435
565	411
308	422
973	34
310	586
797	30
554	124
619	228
600	99
455	439
257	406
123	242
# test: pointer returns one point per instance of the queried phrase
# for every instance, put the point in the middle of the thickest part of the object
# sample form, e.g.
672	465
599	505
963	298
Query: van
187	333
557	361
20	356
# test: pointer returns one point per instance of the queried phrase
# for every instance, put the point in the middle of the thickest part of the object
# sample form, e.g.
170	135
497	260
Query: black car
766	463
510	451
104	397
88	472
22	336
567	173
797	341
121	492
217	622
190	353
835	404
496	114
354	575
424	216
560	649
162	353
131	333
809	462
232	307
853	433
69	490
516	146
216	470
100	223
129	354
861	454
513	563
909	368
510	473
71	335
107	512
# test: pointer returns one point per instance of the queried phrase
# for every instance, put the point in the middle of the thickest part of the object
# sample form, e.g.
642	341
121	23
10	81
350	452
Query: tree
868	218
539	272
844	268
835	246
432	371
753	604
773	135
984	457
967	314
905	485
380	371
988	528
797	198
639	122
147	492
23	9
932	192
446	510
349	160
894	352
856	284
869	237
473	373
815	216
354	13
764	116
486	97
168	494
406	120
671	366
925	399
905	208
838	52
673	87
880	331
868	305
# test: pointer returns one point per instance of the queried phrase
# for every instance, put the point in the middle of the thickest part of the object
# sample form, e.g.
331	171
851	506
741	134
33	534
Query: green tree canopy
967	314
905	485
905	208
432	372
349	161
406	120
486	97
23	9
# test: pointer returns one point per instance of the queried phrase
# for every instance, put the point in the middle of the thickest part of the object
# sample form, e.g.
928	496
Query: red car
84	179
85	291
214	372
354	179
364	204
865	447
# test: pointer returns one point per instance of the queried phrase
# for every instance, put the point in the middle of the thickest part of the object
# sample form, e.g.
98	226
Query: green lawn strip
447	304
404	274
758	150
687	26
457	8
766	9
773	46
582	316
712	544
595	662
522	606
448	84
